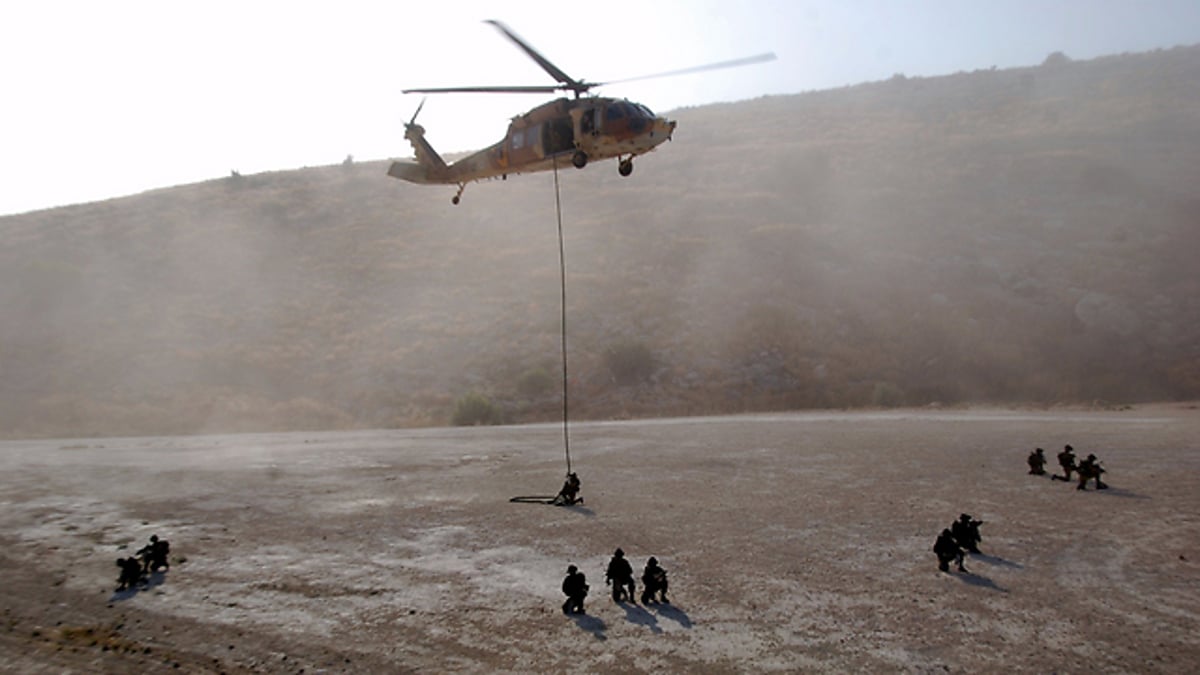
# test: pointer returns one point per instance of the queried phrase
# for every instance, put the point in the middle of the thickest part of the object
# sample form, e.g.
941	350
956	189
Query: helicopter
585	128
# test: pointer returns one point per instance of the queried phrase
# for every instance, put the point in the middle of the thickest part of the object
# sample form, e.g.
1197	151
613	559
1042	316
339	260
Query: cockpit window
614	111
644	110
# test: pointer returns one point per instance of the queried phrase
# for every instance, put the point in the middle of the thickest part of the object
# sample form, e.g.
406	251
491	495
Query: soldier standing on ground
620	576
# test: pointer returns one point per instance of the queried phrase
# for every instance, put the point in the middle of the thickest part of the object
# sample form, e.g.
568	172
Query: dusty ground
793	542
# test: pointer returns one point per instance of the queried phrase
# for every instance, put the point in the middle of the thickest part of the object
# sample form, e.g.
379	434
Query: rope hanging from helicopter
562	278
648	132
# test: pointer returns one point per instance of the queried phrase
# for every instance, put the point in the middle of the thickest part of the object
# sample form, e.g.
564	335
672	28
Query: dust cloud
1015	236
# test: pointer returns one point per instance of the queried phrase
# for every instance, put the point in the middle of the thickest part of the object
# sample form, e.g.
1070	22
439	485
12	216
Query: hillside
1010	236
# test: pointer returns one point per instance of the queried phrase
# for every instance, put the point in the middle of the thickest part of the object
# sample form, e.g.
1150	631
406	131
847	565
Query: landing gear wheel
579	159
455	199
458	195
625	167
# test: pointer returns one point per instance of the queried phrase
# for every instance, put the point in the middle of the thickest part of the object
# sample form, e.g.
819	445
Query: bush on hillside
535	383
474	409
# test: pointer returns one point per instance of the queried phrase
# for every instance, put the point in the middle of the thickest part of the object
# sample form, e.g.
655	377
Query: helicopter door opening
559	136
522	145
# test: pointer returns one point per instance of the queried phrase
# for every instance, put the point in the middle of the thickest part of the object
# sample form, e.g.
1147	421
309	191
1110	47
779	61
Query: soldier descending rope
569	494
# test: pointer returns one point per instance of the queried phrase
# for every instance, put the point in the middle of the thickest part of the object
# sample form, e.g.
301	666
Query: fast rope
562	276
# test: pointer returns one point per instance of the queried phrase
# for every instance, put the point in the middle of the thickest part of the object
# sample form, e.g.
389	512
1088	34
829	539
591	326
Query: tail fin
426	155
429	167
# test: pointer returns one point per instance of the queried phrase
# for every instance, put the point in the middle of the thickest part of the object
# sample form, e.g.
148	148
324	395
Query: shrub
1056	59
474	409
534	383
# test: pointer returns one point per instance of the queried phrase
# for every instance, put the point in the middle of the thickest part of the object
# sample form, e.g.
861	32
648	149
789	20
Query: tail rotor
412	123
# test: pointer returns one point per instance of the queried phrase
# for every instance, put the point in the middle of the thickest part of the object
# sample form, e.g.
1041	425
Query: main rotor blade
534	89
541	60
760	58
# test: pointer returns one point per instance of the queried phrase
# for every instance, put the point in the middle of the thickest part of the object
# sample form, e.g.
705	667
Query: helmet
571	569
619	553
652	561
1067	447
963	516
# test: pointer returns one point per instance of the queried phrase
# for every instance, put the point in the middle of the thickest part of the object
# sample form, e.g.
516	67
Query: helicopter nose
668	126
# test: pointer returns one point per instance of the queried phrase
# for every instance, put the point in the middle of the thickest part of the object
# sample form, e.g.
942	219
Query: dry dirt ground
793	542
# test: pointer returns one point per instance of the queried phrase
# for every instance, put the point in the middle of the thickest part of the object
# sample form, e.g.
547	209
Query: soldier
966	532
154	555
1066	459
576	589
131	573
143	554
1037	462
947	549
568	495
1088	469
159	549
620	576
654	580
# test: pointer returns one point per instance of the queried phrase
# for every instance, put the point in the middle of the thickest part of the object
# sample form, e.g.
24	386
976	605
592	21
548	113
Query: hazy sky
105	99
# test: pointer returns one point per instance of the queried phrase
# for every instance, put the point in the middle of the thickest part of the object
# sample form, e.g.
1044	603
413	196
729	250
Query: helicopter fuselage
583	127
575	130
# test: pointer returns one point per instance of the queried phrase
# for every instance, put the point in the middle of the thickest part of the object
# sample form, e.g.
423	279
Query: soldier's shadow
675	614
1121	492
638	615
978	580
592	624
996	560
583	510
